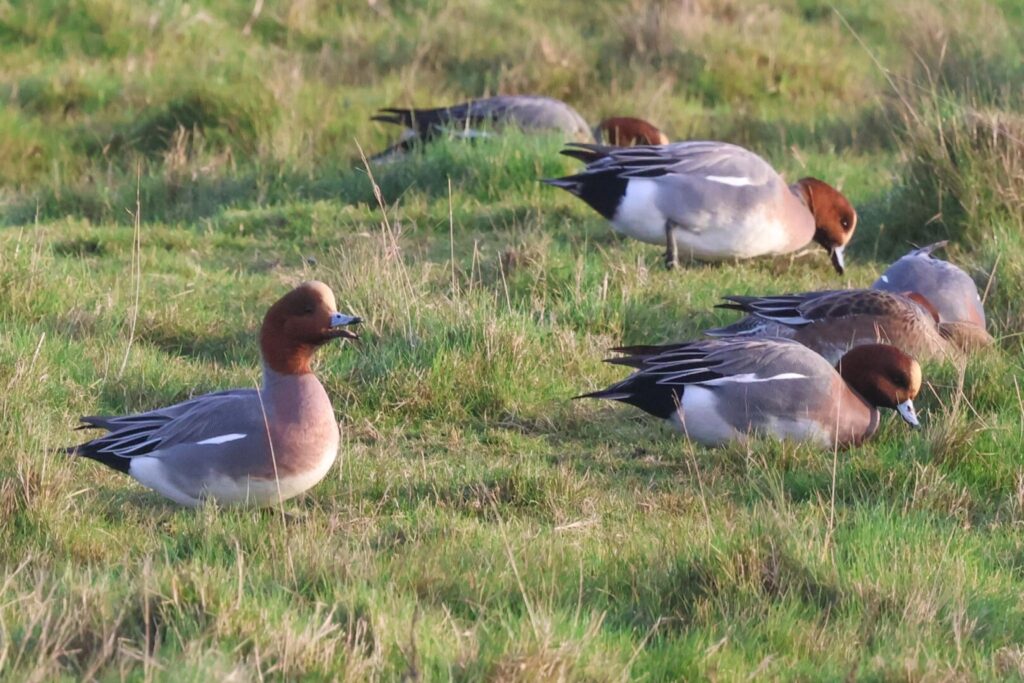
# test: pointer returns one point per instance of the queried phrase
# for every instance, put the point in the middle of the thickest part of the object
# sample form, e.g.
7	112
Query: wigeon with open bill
951	291
833	322
240	446
721	390
529	113
709	201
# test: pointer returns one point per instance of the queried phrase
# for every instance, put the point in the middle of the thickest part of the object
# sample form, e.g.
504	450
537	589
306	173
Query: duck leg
671	249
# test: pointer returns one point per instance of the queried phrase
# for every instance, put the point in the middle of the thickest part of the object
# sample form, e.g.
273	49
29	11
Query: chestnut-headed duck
526	112
240	446
627	131
833	322
711	201
722	390
952	292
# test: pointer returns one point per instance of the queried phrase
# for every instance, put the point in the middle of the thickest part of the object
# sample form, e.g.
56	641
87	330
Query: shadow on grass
673	591
488	171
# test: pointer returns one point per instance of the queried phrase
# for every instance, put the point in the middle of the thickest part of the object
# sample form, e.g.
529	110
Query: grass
480	525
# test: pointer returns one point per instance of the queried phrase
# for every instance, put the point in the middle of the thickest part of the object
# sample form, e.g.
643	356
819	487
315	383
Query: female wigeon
951	291
711	200
833	322
721	390
526	112
249	446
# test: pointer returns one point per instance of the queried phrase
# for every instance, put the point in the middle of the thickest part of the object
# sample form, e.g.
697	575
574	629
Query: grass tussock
968	168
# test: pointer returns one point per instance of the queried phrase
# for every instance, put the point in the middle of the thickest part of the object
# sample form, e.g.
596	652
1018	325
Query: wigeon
526	112
240	446
951	291
721	390
710	200
627	131
833	322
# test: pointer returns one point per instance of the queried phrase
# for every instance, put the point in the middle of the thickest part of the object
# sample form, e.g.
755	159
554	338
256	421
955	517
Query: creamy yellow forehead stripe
324	291
915	378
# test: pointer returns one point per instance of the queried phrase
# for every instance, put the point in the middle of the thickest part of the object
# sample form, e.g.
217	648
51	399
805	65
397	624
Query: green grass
479	524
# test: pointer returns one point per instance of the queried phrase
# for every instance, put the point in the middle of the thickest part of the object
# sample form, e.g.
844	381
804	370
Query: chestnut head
300	322
626	131
834	217
884	376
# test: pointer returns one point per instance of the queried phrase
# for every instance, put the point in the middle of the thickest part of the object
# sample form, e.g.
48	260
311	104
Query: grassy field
167	170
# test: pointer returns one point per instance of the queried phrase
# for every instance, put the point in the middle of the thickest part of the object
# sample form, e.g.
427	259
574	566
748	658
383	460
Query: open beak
836	254
339	321
908	413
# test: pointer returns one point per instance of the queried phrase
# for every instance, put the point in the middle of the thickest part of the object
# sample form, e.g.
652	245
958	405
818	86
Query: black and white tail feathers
127	437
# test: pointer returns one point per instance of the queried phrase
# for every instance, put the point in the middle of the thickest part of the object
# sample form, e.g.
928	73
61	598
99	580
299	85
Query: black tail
643	392
603	393
586	152
581	154
628	361
570	184
92	450
86	450
427	123
398	117
602	189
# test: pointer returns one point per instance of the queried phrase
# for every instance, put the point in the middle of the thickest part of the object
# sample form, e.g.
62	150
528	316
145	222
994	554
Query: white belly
638	215
152	472
733	236
704	235
798	430
700	420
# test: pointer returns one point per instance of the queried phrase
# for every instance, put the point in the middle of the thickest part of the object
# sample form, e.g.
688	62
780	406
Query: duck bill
907	412
339	321
836	254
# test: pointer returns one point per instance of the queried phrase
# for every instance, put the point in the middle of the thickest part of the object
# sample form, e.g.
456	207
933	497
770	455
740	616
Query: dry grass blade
136	269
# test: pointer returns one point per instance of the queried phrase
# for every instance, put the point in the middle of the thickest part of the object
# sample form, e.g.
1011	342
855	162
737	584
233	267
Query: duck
628	131
254	447
527	112
712	201
724	390
951	291
833	322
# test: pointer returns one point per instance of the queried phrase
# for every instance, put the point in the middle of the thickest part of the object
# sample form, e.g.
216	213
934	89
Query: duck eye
308	310
845	222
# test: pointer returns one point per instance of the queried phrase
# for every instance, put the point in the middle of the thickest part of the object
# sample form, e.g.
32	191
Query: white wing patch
751	378
884	278
788	320
735	181
223	438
